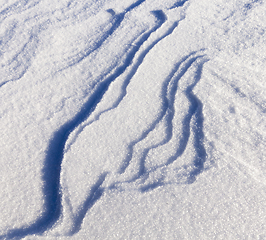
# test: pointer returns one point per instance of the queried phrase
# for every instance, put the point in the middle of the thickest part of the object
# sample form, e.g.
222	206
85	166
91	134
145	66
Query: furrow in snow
193	130
190	129
161	19
197	128
96	192
116	22
22	60
55	150
135	64
120	69
168	94
179	4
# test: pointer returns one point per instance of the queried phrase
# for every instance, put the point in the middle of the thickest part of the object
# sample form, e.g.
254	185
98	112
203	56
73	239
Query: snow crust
132	119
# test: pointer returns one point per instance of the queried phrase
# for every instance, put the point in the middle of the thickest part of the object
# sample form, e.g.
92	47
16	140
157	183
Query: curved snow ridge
133	65
128	62
141	100
94	195
140	49
168	96
98	176
115	21
15	68
55	151
21	61
150	159
80	214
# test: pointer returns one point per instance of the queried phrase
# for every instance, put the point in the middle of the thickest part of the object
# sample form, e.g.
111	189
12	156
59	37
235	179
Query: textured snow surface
127	119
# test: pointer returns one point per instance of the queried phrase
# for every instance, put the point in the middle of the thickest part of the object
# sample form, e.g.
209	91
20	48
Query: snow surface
126	119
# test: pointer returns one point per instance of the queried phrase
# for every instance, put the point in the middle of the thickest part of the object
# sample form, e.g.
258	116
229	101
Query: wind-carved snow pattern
191	131
55	151
21	61
179	84
191	127
141	127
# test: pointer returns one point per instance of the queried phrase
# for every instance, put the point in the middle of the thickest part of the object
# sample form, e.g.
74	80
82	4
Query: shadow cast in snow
55	151
160	19
192	122
167	112
95	193
178	4
201	155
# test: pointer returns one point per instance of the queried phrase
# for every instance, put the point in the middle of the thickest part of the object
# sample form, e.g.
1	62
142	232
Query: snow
132	119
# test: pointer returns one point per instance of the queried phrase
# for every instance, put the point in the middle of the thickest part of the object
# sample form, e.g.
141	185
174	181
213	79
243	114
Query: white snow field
133	119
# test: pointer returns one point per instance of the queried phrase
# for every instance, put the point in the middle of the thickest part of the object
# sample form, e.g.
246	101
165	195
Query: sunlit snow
132	119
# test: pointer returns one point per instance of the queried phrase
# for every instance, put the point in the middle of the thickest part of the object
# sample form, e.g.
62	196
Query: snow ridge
192	127
138	119
55	150
135	64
